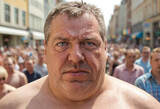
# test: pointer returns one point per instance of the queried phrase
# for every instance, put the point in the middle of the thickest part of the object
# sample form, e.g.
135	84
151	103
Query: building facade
121	30
112	29
13	22
36	22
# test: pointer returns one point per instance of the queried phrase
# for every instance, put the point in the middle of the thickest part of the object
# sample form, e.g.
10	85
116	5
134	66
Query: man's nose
75	54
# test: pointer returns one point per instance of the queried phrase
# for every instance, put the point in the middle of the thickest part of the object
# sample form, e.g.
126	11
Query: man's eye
90	45
62	44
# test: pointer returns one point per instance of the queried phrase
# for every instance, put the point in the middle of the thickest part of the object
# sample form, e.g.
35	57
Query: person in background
114	63
15	77
122	52
144	60
76	55
150	82
128	71
29	72
137	52
4	88
21	64
41	66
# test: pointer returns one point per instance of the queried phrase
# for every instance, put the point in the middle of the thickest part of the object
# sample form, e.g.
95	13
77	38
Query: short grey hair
75	9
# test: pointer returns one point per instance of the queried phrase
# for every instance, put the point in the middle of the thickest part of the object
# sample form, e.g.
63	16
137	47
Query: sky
106	6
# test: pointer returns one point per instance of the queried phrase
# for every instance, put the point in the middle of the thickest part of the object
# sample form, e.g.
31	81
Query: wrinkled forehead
156	55
87	23
80	21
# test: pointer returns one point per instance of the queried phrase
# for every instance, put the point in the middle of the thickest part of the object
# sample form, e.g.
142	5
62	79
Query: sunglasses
2	79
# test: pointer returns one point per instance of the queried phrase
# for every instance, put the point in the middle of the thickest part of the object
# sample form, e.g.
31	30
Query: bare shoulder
21	74
18	99
134	96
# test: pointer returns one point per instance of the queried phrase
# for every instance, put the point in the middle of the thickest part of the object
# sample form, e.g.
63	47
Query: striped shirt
148	83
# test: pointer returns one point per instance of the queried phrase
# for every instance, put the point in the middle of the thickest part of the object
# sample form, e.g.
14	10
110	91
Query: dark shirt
33	76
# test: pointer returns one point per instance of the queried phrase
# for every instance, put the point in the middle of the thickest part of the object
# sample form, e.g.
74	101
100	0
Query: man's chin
77	90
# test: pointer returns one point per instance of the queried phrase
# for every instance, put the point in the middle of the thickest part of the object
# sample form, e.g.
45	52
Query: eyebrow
60	38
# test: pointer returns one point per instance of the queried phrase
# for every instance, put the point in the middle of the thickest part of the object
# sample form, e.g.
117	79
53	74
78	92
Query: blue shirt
146	65
148	83
32	77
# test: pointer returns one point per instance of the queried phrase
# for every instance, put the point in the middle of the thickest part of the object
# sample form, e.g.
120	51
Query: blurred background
133	22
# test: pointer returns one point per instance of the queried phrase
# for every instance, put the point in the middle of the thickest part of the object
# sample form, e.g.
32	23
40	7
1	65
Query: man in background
150	82
128	71
144	60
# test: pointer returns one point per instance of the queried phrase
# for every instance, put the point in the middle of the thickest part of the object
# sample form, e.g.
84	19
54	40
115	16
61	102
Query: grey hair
75	9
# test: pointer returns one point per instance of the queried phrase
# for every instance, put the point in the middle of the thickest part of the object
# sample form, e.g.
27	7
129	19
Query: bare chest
14	81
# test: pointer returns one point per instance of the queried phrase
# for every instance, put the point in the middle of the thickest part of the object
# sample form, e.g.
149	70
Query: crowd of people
20	66
76	59
139	68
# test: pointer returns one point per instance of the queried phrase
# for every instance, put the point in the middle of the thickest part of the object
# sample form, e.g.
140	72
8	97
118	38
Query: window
7	13
23	18
16	13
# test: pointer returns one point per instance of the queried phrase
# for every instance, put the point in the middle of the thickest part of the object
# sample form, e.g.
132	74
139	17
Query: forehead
156	55
85	24
130	53
146	50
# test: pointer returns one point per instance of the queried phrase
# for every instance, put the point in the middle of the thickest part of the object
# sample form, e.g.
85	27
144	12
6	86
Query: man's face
130	58
8	65
29	65
146	54
76	57
155	63
41	56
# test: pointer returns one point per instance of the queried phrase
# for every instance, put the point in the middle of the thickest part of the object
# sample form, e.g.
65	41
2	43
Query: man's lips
75	76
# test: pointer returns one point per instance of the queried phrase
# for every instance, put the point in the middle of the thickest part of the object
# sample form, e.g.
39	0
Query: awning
12	31
136	35
38	35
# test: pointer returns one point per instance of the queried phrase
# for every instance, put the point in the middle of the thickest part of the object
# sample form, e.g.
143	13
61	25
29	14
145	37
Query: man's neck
30	71
144	60
40	63
130	66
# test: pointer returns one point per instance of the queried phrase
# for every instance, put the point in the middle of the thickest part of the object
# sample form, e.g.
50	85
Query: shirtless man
4	88
76	57
15	78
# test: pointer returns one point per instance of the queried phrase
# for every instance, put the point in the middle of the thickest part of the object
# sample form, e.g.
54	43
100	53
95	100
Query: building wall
137	11
36	14
122	17
48	6
113	23
129	13
21	5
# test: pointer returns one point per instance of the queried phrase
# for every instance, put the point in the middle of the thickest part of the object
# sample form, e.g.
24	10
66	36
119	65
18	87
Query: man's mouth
75	76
